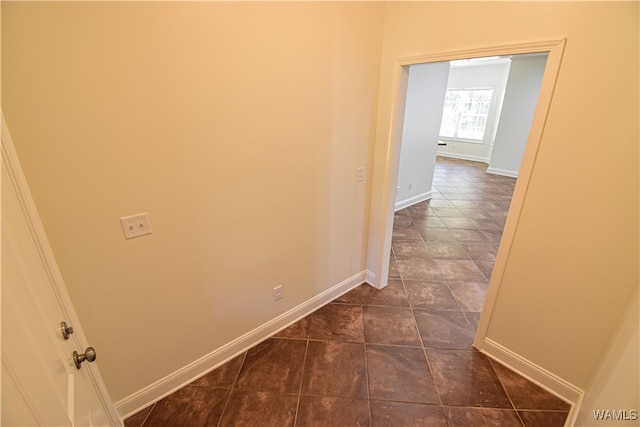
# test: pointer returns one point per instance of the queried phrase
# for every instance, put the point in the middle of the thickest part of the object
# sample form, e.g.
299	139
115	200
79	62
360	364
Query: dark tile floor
400	356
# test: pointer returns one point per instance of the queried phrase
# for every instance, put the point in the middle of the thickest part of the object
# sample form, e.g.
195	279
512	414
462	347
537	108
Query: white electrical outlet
360	174
277	293
410	186
135	225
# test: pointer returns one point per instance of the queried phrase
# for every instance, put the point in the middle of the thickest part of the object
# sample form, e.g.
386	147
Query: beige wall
574	259
238	127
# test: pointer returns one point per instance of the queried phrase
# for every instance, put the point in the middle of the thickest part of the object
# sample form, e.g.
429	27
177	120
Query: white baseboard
464	157
370	278
194	370
503	172
536	374
413	200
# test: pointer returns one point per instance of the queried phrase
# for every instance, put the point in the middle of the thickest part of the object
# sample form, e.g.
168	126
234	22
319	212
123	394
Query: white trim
552	69
536	374
413	200
38	235
464	157
371	279
503	172
194	370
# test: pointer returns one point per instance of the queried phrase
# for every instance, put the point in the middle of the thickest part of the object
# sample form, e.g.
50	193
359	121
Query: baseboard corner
538	375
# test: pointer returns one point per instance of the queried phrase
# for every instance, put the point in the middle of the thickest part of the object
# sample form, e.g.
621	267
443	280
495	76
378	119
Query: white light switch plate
135	225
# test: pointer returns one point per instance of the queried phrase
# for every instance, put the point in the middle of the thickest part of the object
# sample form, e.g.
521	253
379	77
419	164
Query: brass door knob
89	355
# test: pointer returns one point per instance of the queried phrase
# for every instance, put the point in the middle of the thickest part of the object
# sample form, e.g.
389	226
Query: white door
41	384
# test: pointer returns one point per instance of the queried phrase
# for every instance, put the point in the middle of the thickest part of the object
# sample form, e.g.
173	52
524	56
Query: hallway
400	356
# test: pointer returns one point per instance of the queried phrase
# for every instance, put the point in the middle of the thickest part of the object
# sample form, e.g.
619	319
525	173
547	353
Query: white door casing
40	382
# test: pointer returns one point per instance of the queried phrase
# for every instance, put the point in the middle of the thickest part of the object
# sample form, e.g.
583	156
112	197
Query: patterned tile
317	411
400	374
273	365
337	322
392	295
202	406
335	369
390	325
466	378
258	408
394	414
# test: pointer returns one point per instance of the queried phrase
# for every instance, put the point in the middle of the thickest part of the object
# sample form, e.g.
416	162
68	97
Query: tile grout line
493	368
304	363
235	380
149	414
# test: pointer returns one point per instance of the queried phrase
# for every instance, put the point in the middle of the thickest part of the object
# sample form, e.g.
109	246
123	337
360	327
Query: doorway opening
387	199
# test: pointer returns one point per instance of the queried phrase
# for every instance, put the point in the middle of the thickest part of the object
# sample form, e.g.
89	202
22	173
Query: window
465	113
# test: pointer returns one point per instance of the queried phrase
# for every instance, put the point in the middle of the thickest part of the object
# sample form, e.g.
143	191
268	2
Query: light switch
360	174
135	225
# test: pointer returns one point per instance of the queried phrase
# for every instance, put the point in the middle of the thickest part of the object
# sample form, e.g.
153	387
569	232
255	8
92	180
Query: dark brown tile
470	296
223	376
525	394
473	317
395	414
419	269
273	365
138	418
337	322
466	378
448	212
201	406
486	268
492	236
465	236
392	295
436	235
400	374
460	223
420	210
444	329
543	418
390	325
457	196
405	234
436	295
315	411
409	250
393	270
429	222
299	330
481	417
460	271
464	204
354	296
402	221
487	224
440	204
447	251
335	369
258	408
475	213
483	252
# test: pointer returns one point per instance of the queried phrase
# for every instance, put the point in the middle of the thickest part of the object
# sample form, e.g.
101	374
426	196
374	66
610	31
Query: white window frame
455	136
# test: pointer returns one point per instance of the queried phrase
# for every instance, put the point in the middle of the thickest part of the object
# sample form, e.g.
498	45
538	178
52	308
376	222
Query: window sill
470	141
